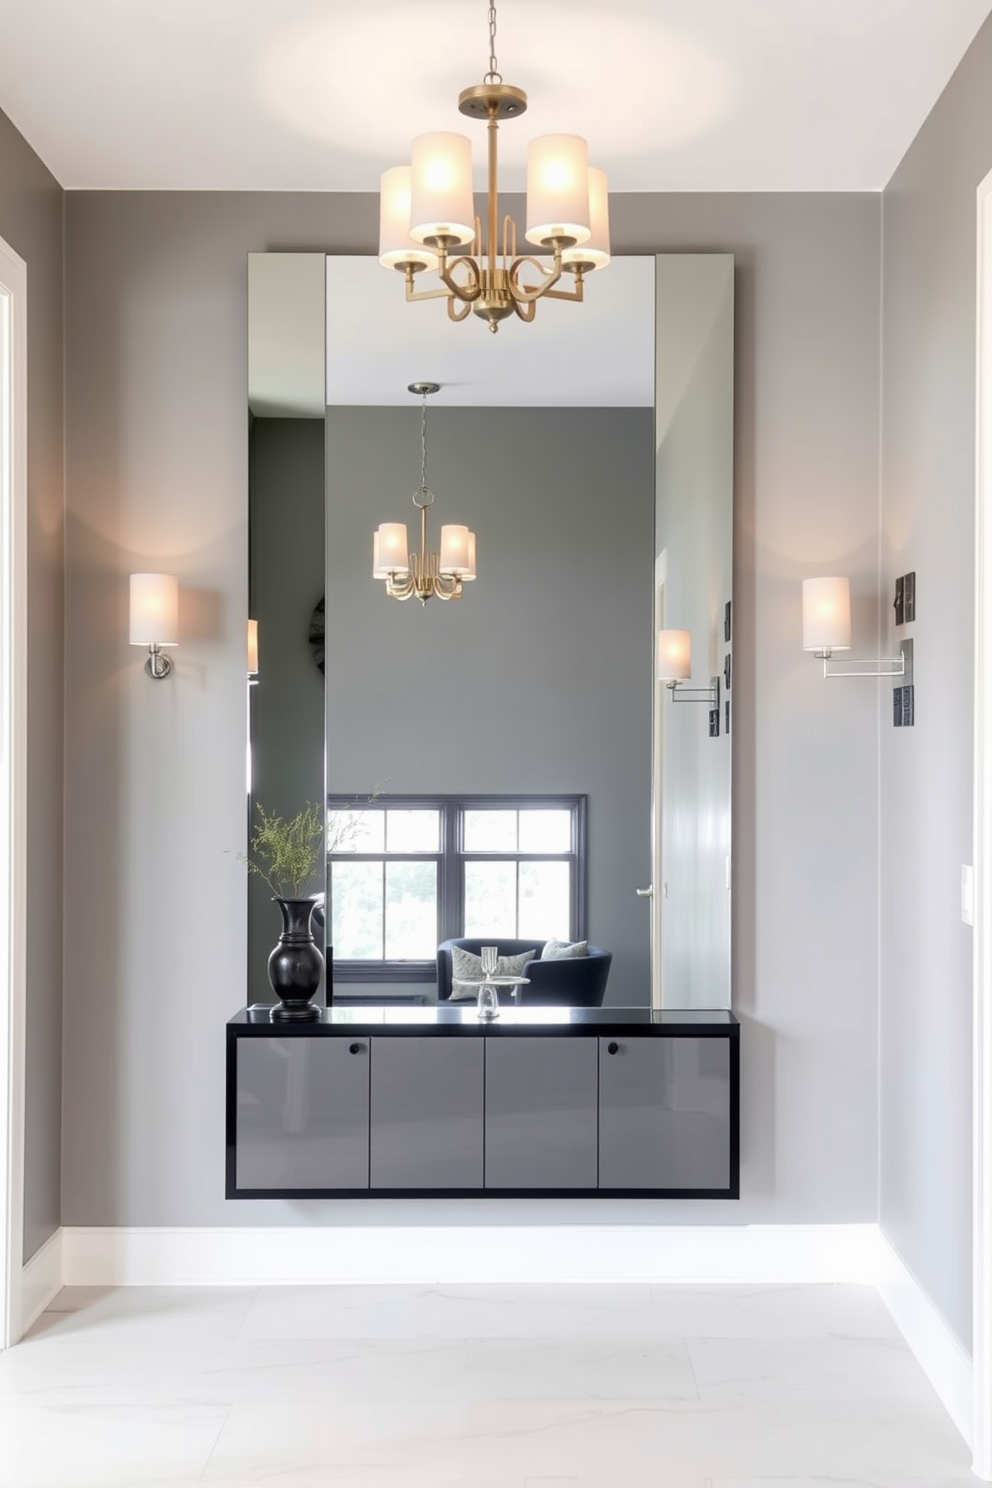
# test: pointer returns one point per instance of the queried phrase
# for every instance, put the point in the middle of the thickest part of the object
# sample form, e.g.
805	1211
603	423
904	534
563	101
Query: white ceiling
599	354
321	95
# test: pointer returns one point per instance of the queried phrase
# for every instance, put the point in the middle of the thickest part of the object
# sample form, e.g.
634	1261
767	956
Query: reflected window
405	873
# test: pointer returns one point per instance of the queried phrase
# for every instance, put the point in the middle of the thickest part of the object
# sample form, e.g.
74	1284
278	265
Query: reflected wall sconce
674	668
252	652
827	628
155	619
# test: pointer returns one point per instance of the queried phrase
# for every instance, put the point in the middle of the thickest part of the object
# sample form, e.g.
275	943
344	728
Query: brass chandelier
438	573
426	212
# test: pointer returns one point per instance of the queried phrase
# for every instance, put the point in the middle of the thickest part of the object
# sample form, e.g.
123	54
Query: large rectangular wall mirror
503	765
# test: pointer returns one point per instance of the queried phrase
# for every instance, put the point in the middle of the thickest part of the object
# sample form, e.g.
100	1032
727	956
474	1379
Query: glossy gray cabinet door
541	1113
303	1113
664	1113
427	1112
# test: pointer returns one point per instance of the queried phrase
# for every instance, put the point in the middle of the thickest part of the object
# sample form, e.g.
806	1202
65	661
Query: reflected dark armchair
578	981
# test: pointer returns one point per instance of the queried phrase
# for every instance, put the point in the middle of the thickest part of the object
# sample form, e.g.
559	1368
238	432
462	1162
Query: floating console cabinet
431	1102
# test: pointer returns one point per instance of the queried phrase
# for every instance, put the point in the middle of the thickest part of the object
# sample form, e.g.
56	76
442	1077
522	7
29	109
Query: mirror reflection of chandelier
426	212
426	574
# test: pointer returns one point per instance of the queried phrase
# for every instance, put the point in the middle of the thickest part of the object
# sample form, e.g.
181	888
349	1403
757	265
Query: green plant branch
286	854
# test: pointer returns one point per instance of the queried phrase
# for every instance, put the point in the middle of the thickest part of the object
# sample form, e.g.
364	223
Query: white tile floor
472	1387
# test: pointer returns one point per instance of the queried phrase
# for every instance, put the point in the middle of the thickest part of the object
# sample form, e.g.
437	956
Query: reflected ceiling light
427	211
428	574
252	652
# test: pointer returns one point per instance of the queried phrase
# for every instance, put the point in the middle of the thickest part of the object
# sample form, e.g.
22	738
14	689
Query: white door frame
982	996
13	778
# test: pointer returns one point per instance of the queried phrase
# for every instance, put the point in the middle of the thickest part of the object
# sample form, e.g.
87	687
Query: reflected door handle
647	893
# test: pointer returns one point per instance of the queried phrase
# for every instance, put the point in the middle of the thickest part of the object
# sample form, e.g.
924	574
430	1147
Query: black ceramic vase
295	964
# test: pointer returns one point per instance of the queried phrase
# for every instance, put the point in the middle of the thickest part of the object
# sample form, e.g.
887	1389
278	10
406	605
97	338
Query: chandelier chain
493	75
423	445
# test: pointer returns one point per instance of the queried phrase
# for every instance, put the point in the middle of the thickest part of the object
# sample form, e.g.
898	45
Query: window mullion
451	925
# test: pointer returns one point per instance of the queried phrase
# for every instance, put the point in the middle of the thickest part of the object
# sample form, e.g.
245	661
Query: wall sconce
252	652
827	628
675	669
155	618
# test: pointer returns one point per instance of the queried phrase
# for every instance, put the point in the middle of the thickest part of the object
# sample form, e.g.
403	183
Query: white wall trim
982	986
13	788
41	1281
939	1352
428	1255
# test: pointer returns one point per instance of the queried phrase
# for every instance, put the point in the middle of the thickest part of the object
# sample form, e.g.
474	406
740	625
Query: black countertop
461	1021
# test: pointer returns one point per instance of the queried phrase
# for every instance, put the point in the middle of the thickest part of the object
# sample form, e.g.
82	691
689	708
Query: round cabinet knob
354	1048
613	1048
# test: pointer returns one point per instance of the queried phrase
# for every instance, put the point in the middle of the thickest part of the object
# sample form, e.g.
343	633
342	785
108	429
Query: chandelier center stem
423	443
493	185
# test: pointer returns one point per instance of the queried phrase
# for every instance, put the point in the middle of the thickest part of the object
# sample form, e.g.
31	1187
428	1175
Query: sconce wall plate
158	666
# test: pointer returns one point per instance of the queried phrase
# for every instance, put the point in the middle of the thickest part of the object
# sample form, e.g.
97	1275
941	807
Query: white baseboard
430	1255
41	1281
946	1364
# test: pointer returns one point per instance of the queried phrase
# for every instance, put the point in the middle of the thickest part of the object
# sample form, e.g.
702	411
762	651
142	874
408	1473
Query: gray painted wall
286	473
928	447
538	680
31	223
156	289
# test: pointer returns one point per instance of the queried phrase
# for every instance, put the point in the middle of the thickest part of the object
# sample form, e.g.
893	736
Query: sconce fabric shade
674	656
456	554
441	203
154	609
595	252
396	247
253	647
827	614
389	550
557	188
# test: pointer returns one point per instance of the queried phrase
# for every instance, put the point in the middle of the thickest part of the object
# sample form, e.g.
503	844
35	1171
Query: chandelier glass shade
427	214
432	573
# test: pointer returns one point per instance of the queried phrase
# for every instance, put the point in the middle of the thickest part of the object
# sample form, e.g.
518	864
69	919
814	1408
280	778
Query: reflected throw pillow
560	950
466	966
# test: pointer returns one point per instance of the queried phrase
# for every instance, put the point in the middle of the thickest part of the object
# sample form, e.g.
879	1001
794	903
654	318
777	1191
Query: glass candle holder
487	1005
490	955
